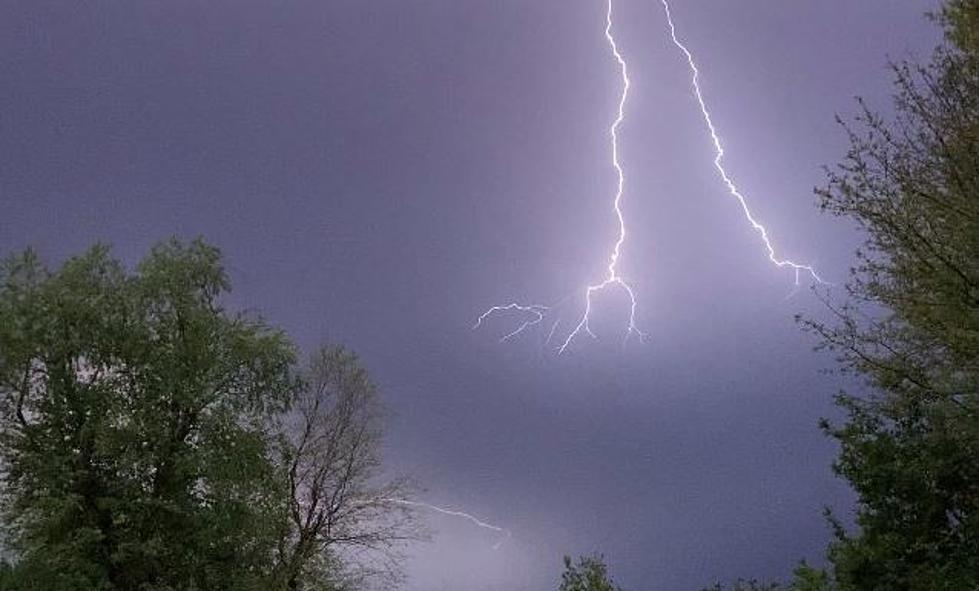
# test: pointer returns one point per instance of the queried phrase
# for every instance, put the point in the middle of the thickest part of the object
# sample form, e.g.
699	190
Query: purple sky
378	173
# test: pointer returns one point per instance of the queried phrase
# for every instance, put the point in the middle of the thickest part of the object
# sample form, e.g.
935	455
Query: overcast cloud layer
378	173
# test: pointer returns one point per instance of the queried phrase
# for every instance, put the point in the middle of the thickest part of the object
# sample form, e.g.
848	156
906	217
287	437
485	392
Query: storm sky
379	172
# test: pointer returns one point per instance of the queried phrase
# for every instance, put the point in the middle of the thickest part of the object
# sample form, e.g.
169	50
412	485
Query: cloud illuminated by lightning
719	156
535	314
453	513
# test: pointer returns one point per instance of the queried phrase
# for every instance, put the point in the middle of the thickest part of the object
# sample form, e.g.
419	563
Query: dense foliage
910	327
145	432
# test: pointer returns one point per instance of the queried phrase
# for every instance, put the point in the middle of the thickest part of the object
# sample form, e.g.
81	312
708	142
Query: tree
961	20
910	327
590	573
807	578
133	409
146	435
331	455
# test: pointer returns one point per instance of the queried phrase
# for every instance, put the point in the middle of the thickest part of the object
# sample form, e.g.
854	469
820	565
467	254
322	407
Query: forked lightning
613	280
534	315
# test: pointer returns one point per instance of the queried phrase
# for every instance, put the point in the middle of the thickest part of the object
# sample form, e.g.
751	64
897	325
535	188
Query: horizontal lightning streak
454	513
719	156
535	310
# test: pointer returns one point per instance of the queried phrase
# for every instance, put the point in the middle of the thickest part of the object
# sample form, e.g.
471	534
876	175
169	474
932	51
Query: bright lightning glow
453	513
612	278
719	156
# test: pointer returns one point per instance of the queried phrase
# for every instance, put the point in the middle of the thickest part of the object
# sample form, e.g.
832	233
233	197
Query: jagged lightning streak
719	156
537	312
612	277
453	513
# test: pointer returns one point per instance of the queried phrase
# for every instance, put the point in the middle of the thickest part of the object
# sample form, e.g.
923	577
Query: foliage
133	445
590	573
141	429
910	327
961	19
807	578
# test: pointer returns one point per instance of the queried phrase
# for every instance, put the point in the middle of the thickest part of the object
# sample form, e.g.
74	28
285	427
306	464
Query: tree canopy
588	573
146	433
910	328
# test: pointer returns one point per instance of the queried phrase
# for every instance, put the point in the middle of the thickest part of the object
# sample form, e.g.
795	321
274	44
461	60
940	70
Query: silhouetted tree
330	452
910	327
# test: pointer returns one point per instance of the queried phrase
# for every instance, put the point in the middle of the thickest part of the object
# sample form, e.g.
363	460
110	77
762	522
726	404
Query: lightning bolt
719	157
613	280
453	513
537	316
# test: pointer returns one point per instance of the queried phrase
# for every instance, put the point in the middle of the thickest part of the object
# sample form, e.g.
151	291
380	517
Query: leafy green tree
133	406
807	578
910	327
151	440
589	573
